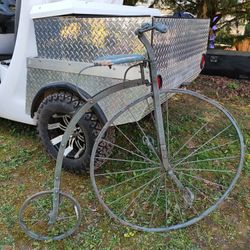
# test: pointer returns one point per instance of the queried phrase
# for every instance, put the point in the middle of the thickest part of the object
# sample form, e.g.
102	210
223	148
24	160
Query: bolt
170	172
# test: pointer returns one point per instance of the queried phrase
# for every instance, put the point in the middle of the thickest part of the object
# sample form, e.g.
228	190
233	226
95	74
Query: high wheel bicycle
166	171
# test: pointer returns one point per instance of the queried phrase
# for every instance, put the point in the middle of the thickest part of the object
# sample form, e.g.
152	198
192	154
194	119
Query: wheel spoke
207	170
81	137
127	138
40	206
68	150
203	145
40	220
209	159
199	191
190	139
122	160
201	179
127	180
131	152
66	218
205	149
76	142
144	134
80	151
176	201
142	186
153	191
66	120
136	198
34	224
155	202
209	149
127	171
56	126
166	200
57	140
35	221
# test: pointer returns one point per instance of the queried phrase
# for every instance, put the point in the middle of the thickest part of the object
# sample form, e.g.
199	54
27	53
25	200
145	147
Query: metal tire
115	207
37	235
89	126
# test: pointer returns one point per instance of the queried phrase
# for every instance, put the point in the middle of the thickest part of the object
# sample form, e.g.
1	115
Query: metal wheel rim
59	237
77	143
204	213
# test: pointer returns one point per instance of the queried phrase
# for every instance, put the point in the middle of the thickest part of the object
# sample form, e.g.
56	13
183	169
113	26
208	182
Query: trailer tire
53	115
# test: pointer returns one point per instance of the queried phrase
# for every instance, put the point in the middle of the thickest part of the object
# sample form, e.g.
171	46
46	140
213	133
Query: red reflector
203	60
159	81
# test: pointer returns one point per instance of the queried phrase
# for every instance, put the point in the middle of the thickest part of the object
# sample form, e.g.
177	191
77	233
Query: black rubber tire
67	103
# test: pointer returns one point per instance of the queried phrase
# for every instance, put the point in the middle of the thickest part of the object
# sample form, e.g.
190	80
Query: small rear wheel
34	216
205	152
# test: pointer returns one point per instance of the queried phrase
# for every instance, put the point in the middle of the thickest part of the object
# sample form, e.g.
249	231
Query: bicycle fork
188	196
159	121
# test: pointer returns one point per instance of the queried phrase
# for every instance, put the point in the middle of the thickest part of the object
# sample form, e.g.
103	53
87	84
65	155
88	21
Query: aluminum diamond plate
179	51
37	78
84	38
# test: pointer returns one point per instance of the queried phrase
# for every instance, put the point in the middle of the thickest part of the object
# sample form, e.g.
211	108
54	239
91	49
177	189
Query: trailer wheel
54	114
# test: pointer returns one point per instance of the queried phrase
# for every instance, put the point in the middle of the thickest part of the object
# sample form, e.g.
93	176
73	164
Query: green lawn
26	169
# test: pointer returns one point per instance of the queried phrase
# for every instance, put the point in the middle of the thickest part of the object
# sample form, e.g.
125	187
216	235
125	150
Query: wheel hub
76	145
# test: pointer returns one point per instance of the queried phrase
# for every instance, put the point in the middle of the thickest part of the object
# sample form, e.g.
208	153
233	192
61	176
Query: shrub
223	37
247	30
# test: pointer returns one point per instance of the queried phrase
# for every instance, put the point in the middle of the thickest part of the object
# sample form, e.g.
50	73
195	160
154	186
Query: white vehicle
44	44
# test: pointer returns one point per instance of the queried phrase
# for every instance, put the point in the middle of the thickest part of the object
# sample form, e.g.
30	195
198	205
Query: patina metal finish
160	148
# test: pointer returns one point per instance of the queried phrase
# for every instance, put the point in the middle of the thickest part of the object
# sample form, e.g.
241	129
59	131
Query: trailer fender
64	86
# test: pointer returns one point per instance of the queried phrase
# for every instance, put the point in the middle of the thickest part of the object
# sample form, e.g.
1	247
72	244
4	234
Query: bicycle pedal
188	196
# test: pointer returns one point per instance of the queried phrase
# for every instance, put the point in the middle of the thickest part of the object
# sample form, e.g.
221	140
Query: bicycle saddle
117	59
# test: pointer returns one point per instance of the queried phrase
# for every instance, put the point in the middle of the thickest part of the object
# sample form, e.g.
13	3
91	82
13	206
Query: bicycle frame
91	102
158	174
75	119
157	102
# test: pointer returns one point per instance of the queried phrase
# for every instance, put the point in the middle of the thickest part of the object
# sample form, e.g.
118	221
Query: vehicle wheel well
68	87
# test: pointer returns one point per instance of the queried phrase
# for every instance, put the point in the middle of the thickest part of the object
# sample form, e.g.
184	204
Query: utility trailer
45	44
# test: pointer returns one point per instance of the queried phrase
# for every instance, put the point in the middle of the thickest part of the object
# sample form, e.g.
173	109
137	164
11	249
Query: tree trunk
206	8
130	2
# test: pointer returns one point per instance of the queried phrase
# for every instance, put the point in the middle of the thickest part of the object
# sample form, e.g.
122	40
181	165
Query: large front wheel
205	157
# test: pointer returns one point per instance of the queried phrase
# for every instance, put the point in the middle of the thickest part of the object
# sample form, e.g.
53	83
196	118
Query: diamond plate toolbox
82	39
85	38
178	52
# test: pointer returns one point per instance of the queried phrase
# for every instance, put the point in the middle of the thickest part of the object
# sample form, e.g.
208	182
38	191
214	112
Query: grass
232	86
26	169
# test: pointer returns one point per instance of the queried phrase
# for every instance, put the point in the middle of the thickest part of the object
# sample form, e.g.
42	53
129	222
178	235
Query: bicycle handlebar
160	27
